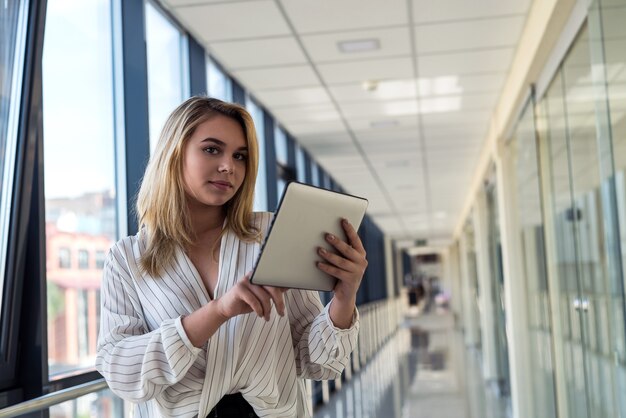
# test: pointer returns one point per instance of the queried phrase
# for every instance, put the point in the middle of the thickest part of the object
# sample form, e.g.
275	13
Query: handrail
46	401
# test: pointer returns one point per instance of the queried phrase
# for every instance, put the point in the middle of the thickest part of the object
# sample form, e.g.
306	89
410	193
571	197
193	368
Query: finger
265	299
343	248
353	237
341	262
336	272
251	300
277	297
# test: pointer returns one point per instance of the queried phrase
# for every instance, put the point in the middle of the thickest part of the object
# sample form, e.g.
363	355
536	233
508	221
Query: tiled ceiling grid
411	144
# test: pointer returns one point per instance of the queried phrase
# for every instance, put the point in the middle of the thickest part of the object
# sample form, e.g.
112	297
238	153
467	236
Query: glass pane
608	50
523	155
260	192
280	139
561	251
219	85
167	84
12	50
315	174
81	214
102	404
594	209
300	165
497	290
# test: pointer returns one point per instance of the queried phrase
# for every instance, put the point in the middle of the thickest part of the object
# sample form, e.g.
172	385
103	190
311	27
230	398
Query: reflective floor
424	371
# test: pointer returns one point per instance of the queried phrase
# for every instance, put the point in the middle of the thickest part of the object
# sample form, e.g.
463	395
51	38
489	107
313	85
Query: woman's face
214	161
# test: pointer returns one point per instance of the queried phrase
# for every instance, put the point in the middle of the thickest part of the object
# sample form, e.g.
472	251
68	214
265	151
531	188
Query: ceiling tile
332	15
469	35
267	78
426	11
325	47
360	71
240	20
446	85
385	123
267	52
380	109
293	97
456	64
385	90
305	128
312	113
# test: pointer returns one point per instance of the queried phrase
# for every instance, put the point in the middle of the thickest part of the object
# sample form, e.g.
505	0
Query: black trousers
232	406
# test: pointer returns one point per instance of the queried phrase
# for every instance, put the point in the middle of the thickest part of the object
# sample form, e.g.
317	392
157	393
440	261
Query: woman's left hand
348	266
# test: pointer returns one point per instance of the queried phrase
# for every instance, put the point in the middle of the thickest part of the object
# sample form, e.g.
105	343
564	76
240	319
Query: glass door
607	35
563	274
582	208
497	290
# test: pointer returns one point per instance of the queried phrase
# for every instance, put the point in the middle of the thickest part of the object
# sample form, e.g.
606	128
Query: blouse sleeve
322	350
137	365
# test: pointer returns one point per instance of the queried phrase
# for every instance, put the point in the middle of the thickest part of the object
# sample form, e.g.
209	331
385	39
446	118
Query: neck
206	220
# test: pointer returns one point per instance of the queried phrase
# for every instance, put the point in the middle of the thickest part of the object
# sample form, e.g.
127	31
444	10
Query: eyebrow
221	143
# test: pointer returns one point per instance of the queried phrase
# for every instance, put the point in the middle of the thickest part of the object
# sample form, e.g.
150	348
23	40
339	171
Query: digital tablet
304	216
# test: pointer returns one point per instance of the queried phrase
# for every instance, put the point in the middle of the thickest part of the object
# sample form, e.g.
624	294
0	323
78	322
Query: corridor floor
423	371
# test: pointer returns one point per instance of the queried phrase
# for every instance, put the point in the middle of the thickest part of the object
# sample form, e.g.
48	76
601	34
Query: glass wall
584	262
219	84
497	288
168	81
522	153
300	164
260	191
79	172
280	141
608	52
12	49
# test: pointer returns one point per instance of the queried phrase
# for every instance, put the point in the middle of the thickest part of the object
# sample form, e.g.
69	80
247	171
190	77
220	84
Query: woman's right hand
246	297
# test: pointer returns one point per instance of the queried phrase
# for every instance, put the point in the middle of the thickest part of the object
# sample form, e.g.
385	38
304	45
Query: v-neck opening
198	276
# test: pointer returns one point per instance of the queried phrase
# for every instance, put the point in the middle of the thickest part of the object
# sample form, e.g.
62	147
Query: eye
240	156
211	150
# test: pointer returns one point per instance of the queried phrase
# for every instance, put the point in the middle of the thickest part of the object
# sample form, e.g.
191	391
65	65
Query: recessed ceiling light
370	85
381	124
360	45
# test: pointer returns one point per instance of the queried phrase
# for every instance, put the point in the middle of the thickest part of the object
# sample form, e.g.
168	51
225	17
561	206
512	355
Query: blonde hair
161	201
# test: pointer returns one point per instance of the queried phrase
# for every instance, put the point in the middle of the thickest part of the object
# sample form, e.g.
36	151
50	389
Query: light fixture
382	124
370	85
359	45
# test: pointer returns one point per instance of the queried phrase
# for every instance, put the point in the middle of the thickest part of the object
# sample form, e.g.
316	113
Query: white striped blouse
147	358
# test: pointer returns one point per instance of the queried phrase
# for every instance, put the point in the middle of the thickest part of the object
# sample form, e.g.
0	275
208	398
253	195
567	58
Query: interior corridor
423	371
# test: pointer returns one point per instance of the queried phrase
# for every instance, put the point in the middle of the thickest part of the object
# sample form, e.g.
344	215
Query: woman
183	332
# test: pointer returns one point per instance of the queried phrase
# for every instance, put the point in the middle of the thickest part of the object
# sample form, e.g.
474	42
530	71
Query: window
80	188
12	49
260	193
315	174
83	259
168	83
100	255
280	141
218	83
65	258
300	165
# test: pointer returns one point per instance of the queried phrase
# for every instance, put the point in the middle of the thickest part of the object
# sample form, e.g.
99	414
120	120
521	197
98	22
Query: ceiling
409	143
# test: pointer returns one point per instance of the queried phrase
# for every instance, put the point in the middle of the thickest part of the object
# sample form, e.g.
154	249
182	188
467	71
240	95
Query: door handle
584	304
576	304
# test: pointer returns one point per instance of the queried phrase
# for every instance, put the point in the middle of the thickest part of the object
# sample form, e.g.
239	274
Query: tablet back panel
304	215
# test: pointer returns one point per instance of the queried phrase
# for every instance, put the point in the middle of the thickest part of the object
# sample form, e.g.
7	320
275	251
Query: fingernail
330	237
344	221
322	251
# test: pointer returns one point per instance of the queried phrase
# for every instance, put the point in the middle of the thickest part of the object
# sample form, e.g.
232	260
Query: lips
221	185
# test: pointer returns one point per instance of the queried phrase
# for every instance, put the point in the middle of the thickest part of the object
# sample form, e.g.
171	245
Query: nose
226	165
